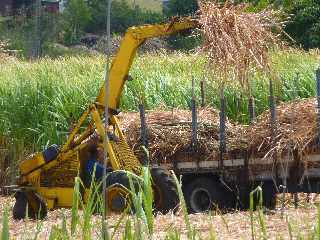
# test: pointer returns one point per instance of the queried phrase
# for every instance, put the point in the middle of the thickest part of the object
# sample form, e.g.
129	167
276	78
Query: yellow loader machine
47	178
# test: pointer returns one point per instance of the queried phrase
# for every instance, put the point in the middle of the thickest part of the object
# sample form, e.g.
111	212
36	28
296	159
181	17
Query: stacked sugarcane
169	133
236	41
296	128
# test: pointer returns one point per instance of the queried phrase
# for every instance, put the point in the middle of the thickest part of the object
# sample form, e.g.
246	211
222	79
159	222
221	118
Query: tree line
89	16
303	26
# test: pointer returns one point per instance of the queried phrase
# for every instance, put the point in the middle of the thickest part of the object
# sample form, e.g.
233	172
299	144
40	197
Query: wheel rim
118	199
200	200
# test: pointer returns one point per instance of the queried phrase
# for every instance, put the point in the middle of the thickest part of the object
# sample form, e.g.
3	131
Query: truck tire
203	194
22	205
165	190
269	195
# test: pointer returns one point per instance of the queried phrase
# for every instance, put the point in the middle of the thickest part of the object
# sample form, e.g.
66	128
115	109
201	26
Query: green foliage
81	16
75	206
184	42
257	192
122	16
77	16
131	227
52	26
48	93
304	26
59	232
182	8
128	231
190	228
154	5
5	225
21	32
148	198
56	50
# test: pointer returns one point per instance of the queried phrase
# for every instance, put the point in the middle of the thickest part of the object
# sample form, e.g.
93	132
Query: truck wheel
269	195
165	190
118	193
37	209
202	195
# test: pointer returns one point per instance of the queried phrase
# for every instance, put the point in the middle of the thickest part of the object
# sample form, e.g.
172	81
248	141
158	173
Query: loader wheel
29	202
202	195
119	196
165	191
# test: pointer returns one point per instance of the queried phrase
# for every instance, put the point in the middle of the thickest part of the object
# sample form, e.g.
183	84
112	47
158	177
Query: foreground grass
39	100
81	223
295	224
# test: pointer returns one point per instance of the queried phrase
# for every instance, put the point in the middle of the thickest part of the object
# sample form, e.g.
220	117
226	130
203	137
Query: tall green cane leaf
5	225
75	206
190	232
148	199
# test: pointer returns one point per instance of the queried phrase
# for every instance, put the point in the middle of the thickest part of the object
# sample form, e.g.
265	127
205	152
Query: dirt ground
235	225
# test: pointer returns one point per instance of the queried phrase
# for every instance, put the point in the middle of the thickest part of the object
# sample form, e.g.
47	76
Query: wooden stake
222	129
202	87
251	107
318	102
194	118
144	133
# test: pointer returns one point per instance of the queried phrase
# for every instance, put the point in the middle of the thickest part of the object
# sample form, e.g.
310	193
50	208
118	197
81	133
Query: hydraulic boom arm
121	64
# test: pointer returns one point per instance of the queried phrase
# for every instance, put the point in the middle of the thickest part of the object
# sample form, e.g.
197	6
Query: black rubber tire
120	177
269	199
269	195
165	191
203	194
20	207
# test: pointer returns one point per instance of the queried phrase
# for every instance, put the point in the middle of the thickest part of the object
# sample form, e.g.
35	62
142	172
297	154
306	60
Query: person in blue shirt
93	166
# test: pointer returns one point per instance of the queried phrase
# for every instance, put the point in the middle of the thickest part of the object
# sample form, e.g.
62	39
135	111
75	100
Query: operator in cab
94	165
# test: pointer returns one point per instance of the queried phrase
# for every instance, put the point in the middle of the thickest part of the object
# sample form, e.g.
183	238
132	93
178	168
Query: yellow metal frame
32	168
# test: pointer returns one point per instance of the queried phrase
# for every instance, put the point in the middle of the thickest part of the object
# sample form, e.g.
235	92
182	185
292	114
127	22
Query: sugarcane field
159	119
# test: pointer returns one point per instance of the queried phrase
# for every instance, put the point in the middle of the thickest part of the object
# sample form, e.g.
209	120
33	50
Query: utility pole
106	117
37	41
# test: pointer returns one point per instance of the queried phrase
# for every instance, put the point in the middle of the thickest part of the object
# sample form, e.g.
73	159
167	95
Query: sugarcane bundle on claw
236	41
